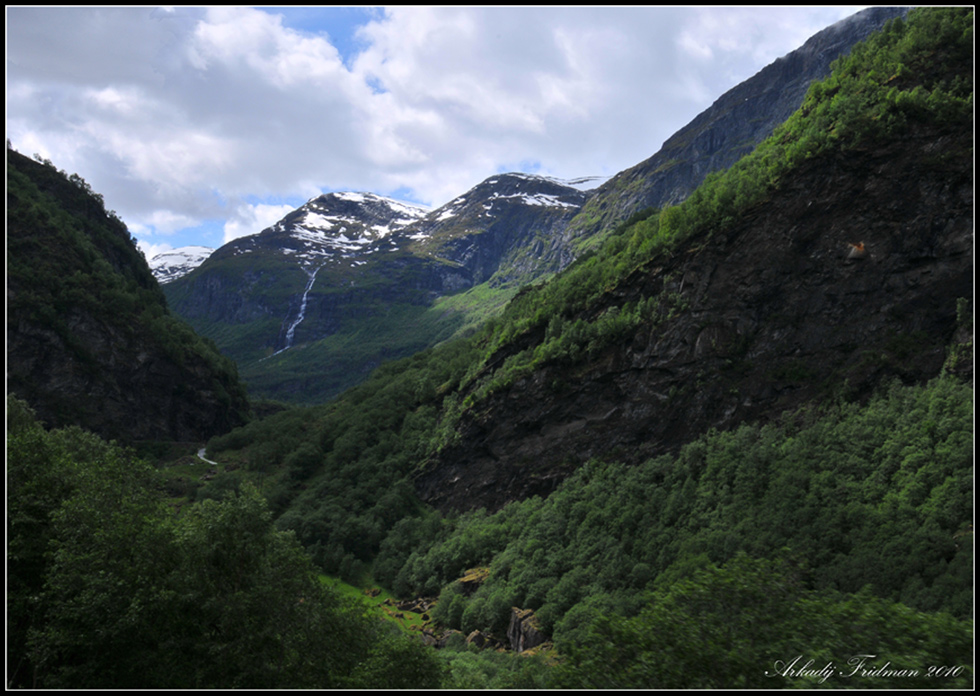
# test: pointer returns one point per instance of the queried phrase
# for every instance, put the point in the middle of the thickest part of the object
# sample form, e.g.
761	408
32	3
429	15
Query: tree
744	624
110	590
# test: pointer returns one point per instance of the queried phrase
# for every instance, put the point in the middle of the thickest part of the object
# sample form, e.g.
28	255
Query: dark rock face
523	632
128	390
729	129
773	315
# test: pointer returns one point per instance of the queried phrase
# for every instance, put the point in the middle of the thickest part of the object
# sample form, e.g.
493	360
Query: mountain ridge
727	130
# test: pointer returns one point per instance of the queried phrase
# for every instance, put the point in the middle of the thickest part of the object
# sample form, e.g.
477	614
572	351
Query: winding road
200	455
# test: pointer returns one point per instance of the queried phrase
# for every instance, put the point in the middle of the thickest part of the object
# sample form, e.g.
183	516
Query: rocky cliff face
772	314
90	341
118	383
728	130
508	229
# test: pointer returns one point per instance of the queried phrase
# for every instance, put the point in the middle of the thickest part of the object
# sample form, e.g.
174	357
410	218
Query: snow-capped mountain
332	228
524	189
332	268
509	225
170	265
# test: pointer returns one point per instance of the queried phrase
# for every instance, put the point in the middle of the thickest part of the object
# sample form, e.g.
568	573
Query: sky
199	125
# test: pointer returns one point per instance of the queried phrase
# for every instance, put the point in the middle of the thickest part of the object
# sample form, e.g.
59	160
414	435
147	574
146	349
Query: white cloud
168	221
251	219
151	250
182	115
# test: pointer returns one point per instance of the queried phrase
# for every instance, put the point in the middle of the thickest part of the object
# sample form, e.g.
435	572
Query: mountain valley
671	430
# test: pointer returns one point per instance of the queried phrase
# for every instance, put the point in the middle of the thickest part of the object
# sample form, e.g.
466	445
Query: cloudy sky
199	125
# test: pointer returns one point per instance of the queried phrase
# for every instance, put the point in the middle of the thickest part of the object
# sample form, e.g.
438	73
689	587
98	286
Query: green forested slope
347	466
874	498
107	588
871	499
90	340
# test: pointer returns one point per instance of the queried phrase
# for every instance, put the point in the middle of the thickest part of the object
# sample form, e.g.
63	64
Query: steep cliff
90	340
756	318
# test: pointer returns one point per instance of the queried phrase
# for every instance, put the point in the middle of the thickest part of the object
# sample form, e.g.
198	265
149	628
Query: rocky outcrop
524	633
774	316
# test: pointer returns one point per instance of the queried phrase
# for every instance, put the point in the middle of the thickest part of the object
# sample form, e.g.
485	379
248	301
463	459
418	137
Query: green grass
471	308
379	603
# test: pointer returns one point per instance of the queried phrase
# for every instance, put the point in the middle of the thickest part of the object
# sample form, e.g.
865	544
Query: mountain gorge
785	356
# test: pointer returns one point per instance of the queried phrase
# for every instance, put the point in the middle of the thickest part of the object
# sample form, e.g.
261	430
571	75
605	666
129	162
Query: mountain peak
171	265
336	226
510	187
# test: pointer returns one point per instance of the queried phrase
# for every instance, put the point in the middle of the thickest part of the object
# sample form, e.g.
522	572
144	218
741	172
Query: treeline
108	588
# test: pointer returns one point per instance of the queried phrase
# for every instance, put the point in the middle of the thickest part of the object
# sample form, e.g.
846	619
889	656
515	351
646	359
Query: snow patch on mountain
343	225
582	183
543	199
170	265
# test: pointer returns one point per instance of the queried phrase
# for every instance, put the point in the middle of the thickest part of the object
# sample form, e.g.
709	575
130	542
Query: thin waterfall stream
290	332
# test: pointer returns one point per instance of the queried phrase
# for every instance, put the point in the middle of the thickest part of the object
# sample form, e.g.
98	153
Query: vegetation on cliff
874	499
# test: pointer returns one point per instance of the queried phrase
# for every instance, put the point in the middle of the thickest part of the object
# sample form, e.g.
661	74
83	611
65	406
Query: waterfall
302	313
